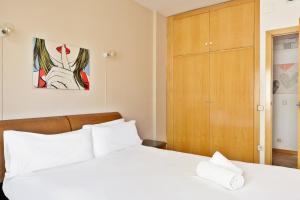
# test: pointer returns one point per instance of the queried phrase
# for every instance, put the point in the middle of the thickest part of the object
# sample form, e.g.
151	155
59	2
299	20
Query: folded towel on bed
222	176
219	159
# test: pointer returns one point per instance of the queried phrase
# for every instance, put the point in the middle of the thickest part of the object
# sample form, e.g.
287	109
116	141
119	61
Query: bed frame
51	125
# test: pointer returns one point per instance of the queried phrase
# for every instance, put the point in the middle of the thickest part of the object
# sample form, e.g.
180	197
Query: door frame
269	88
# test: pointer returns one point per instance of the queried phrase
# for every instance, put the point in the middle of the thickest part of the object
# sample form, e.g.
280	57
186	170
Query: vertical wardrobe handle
206	43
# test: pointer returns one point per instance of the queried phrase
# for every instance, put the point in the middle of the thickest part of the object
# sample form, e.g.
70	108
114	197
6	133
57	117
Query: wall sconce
6	30
109	54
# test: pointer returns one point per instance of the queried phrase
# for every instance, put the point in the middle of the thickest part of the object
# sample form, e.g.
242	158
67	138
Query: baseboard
285	151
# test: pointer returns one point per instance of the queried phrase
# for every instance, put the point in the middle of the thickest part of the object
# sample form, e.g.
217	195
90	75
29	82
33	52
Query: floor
284	159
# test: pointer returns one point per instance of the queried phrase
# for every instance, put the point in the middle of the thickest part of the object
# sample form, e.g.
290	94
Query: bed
137	172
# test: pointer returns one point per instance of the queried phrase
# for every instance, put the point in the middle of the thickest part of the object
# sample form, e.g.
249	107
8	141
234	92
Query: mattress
145	173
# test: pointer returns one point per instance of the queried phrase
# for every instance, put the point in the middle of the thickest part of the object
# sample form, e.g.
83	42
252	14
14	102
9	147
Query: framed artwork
285	78
285	69
57	65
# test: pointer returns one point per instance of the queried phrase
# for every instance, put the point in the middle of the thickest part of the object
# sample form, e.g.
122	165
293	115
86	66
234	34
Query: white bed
145	173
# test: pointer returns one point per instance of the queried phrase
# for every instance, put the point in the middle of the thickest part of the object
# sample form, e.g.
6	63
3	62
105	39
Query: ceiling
172	7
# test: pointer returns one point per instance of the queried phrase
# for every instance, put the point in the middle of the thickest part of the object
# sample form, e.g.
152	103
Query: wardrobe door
232	103
191	106
191	34
232	26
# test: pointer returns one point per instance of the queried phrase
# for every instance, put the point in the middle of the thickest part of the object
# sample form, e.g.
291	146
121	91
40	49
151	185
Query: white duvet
144	173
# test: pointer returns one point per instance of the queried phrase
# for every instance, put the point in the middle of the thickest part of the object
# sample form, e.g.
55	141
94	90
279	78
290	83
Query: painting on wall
285	78
57	65
285	70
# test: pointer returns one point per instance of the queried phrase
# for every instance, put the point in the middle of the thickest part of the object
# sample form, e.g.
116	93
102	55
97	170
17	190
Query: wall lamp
109	54
6	29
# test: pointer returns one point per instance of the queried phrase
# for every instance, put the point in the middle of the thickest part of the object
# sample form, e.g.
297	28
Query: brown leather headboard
50	125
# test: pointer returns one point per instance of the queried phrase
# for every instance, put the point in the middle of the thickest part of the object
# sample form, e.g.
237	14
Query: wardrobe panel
232	103
191	105
232	27
191	34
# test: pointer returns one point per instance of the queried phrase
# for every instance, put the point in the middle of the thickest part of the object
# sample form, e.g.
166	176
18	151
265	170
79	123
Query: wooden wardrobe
213	80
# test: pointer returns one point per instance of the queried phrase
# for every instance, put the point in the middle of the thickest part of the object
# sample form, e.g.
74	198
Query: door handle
298	104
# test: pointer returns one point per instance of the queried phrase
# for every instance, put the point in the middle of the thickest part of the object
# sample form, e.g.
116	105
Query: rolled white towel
220	175
219	159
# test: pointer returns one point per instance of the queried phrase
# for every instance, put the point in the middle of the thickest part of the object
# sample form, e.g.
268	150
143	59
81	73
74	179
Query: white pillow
111	138
109	123
28	152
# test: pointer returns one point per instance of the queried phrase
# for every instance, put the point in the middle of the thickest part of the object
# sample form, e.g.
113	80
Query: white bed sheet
145	173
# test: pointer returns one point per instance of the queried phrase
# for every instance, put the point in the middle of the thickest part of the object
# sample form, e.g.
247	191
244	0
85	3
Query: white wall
161	74
285	122
286	96
274	14
98	25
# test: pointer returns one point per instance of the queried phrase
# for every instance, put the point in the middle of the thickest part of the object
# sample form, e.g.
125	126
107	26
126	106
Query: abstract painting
285	68
57	65
285	78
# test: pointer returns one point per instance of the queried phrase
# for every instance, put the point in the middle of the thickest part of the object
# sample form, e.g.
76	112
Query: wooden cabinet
213	79
191	96
191	34
232	106
232	26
